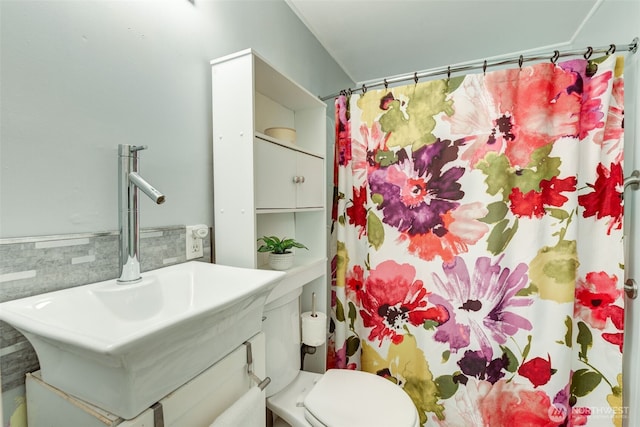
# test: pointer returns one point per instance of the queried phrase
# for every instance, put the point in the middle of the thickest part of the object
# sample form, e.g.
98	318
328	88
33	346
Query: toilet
339	397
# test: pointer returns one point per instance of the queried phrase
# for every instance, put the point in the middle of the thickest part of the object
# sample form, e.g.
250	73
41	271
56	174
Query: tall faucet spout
129	181
146	188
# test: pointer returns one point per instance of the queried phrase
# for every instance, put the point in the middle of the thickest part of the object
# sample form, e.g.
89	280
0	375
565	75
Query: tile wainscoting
35	265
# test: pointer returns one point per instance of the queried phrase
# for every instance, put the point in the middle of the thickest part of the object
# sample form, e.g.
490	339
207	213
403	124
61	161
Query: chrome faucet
129	216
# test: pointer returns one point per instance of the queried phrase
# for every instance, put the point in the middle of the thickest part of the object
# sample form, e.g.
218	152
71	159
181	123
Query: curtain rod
612	48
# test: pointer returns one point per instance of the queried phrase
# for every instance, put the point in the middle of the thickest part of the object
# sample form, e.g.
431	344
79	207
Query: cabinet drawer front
275	169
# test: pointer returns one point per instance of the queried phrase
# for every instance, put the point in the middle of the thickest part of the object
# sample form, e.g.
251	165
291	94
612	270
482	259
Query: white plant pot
280	261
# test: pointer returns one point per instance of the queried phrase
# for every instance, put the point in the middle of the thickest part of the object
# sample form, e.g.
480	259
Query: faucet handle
138	148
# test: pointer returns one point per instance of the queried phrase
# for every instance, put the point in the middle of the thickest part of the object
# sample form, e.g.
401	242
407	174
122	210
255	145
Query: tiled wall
34	265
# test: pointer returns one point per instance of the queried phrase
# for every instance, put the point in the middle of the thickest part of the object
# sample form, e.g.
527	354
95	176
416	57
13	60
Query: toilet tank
281	327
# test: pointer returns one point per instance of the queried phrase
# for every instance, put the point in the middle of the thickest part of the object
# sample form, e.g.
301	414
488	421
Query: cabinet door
310	192
275	169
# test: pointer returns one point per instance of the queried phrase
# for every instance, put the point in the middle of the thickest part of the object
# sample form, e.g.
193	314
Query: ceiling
376	39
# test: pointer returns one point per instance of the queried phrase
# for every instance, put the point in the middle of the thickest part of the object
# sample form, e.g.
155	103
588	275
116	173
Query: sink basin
124	347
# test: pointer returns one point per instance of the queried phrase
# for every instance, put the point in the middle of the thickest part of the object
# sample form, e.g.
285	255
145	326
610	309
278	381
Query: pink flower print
392	299
591	114
515	112
343	132
612	135
595	298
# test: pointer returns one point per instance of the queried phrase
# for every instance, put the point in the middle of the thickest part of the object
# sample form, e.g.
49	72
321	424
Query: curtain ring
520	61
415	77
612	49
484	67
448	72
554	58
349	92
364	89
588	53
386	84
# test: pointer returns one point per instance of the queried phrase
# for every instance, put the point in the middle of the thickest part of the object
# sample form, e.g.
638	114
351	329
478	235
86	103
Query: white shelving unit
254	189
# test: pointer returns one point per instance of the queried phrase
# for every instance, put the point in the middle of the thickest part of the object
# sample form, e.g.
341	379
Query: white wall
77	78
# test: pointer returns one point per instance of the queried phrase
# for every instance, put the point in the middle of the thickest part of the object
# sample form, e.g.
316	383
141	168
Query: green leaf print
585	339
568	322
353	344
513	360
407	361
499	174
502	177
408	113
385	158
446	386
541	167
553	271
497	212
558	213
454	83
339	311
527	348
584	382
352	314
375	230
500	236
342	263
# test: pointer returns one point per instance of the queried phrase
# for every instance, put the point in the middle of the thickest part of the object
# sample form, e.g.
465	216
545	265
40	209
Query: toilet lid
353	398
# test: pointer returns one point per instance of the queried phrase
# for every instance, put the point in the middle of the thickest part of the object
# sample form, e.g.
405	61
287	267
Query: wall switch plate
194	243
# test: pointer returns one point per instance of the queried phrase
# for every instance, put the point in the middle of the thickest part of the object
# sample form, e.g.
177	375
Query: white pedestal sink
124	347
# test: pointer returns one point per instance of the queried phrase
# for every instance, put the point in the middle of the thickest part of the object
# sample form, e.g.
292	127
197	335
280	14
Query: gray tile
54	270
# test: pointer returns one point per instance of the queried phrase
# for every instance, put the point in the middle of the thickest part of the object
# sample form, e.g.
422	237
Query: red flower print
516	112
595	296
355	283
533	202
357	212
392	299
537	370
616	339
606	198
510	404
528	205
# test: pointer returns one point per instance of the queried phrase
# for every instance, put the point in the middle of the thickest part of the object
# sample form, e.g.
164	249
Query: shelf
287	210
287	145
304	270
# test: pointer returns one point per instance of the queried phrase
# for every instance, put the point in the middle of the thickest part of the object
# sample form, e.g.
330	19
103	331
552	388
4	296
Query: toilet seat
343	398
353	398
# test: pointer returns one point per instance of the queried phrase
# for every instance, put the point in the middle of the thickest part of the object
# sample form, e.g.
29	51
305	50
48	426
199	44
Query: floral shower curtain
478	244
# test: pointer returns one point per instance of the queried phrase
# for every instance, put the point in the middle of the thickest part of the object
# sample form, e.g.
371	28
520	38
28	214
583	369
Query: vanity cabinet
266	186
197	403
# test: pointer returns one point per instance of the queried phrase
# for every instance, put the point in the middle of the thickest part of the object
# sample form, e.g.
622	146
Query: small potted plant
280	255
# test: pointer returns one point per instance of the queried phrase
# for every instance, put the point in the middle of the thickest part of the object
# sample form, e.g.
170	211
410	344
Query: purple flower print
475	364
416	191
479	305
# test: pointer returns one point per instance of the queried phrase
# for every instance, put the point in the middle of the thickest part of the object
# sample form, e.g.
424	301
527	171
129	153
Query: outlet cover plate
193	244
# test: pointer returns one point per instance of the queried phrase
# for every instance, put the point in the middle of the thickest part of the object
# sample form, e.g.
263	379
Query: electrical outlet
194	245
